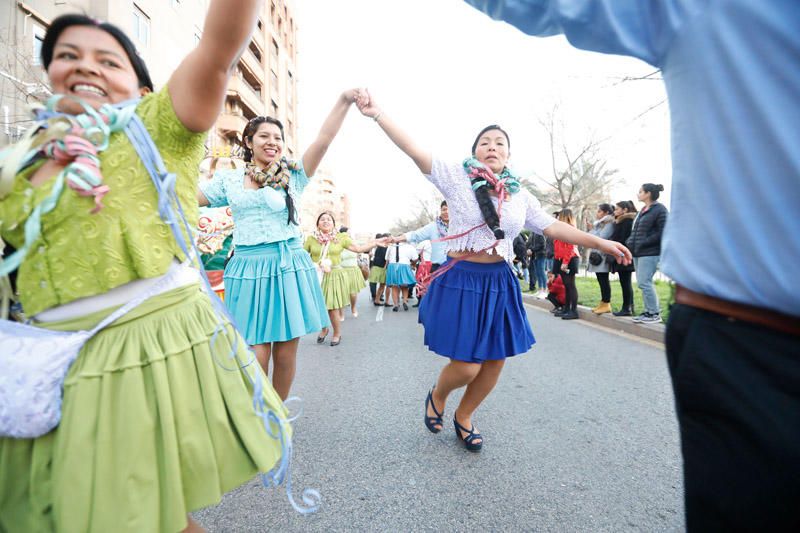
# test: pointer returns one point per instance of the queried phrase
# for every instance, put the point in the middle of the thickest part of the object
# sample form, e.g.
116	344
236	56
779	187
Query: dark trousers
605	286
737	395
553	300
568	277
627	290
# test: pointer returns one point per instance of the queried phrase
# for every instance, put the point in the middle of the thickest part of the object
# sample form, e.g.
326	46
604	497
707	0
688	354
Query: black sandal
432	421
472	435
321	339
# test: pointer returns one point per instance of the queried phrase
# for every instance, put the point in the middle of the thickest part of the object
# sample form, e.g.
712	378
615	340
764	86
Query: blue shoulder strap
172	213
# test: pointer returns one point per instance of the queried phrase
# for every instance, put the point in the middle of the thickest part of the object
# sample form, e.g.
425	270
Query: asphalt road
580	435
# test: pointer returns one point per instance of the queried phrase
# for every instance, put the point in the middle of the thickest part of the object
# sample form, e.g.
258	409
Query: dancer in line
152	426
473	312
355	276
271	285
377	273
434	232
324	244
399	276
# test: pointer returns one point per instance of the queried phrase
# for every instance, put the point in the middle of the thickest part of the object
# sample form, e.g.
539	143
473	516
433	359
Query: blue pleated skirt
273	293
399	274
474	313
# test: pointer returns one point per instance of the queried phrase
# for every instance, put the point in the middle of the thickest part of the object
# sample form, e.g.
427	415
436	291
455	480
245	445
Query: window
197	35
273	79
38	39
289	90
274	108
141	26
274	52
175	3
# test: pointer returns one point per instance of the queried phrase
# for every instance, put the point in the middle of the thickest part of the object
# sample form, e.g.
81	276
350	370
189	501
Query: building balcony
230	126
253	102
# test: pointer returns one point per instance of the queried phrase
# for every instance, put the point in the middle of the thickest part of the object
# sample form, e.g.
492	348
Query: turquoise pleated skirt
273	293
399	274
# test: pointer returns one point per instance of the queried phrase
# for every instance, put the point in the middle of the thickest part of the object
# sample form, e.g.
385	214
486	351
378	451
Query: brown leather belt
746	313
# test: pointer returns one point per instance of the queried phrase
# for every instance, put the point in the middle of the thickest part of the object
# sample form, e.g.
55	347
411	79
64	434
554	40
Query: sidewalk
653	332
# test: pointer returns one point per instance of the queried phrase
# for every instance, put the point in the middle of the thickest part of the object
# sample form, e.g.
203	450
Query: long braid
487	208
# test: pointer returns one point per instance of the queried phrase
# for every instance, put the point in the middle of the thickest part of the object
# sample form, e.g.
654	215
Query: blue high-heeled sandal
469	440
432	421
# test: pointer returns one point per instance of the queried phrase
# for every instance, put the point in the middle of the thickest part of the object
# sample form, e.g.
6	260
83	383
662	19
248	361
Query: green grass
589	294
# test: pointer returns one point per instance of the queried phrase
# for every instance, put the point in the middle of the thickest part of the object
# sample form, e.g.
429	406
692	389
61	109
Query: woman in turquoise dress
271	286
153	426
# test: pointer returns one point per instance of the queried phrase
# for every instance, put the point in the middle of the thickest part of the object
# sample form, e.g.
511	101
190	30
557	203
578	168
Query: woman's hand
383	241
617	250
350	95
366	104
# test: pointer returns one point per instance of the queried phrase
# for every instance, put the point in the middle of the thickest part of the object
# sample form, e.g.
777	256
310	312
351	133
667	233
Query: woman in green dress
325	247
355	276
157	420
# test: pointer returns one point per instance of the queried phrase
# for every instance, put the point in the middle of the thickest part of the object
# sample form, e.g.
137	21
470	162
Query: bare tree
580	177
425	211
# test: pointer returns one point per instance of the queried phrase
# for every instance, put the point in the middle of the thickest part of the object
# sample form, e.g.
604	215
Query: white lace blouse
520	210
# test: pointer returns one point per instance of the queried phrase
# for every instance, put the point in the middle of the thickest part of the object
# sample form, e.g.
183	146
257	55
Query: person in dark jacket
645	245
520	246
537	255
624	213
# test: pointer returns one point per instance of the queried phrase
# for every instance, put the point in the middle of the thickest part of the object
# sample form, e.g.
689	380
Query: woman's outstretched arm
422	158
564	232
314	154
198	85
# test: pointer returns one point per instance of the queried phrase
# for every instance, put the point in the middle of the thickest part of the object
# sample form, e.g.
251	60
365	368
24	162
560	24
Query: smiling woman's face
90	64
492	150
325	223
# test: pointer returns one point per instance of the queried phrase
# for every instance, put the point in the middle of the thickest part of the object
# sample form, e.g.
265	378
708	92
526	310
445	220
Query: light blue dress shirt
430	233
732	72
260	216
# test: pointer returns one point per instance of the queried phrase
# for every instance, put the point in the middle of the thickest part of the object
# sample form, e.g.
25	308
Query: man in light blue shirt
732	73
432	232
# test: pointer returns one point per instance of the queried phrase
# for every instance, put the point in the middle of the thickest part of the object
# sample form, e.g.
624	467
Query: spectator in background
624	213
550	249
537	259
603	227
519	246
645	245
556	293
568	263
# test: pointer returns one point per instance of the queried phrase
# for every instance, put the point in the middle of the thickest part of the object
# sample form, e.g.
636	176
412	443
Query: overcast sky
443	70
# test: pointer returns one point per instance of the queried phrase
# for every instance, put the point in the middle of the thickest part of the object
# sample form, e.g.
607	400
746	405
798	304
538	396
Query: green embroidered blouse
80	254
314	248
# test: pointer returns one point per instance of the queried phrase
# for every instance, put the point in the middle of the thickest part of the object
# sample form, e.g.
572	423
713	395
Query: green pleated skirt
156	422
336	288
355	279
377	275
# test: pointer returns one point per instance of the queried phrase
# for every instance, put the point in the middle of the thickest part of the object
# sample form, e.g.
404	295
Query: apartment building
264	81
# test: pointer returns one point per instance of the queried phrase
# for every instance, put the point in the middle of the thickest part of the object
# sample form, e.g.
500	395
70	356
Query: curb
652	332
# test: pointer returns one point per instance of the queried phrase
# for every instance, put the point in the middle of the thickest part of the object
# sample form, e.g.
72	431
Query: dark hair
443	204
605	208
344	229
248	133
65	21
653	189
323	214
627	205
485	204
565	215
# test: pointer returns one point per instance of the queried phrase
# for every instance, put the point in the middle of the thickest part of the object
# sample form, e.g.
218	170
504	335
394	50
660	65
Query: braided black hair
248	133
488	210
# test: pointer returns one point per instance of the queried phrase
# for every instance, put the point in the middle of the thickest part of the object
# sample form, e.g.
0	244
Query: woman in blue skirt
473	312
271	286
399	276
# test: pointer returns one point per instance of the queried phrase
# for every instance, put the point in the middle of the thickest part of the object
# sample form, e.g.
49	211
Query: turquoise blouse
259	215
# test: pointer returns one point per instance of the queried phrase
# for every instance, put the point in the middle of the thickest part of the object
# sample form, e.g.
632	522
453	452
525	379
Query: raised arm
198	85
564	232
422	158
329	129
